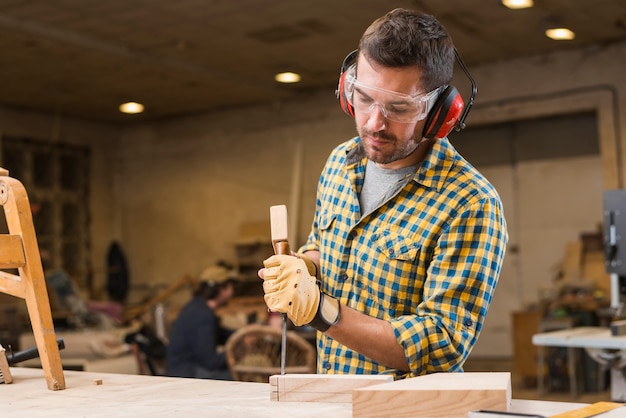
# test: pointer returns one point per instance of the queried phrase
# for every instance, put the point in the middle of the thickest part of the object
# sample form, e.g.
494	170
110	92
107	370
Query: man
196	333
408	238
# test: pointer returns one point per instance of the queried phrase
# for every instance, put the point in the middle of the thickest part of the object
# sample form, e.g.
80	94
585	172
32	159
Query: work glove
291	287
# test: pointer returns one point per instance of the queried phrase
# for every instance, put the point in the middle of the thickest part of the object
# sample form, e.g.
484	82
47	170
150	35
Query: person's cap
217	274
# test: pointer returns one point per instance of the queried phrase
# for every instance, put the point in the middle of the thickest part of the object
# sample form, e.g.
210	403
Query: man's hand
291	288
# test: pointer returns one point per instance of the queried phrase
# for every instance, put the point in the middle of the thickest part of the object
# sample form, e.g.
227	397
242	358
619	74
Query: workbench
594	340
118	395
84	351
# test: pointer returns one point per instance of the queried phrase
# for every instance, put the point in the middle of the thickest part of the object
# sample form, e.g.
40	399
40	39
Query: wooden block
435	395
320	387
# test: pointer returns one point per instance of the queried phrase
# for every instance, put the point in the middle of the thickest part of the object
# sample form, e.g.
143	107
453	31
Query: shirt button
391	252
468	322
344	277
327	366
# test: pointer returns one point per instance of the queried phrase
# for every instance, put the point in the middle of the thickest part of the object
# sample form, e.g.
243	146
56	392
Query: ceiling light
131	108
287	77
560	34
518	4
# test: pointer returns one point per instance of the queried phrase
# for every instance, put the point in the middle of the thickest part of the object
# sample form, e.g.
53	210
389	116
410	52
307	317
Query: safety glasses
394	106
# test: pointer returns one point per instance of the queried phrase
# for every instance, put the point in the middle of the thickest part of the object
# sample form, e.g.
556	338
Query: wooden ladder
19	250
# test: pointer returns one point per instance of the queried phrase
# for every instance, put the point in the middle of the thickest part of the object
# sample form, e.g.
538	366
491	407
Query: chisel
280	242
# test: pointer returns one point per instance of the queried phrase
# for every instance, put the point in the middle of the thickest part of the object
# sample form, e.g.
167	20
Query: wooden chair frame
263	343
19	250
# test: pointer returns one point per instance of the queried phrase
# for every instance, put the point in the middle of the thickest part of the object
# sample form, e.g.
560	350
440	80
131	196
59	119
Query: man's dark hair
404	38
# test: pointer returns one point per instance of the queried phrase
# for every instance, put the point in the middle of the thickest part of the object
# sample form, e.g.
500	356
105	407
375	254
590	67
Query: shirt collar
431	173
436	166
354	151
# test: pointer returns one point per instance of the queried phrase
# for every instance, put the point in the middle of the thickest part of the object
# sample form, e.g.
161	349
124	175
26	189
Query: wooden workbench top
121	395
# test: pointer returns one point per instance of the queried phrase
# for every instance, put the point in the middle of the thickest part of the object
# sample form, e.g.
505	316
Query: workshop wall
190	184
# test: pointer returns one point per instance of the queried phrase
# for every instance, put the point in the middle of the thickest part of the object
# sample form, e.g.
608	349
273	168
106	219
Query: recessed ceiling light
287	77
131	108
560	34
518	4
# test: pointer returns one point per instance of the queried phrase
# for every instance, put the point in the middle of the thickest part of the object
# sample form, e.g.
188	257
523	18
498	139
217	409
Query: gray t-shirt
380	184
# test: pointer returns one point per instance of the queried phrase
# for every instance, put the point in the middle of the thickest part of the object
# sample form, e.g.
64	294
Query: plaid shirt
427	260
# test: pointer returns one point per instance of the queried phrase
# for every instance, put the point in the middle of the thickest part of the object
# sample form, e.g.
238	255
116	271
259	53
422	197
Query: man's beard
377	155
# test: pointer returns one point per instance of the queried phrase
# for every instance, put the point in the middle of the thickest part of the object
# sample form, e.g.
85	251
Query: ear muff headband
448	112
349	60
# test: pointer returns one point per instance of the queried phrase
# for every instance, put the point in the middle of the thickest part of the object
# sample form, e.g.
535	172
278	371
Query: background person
197	333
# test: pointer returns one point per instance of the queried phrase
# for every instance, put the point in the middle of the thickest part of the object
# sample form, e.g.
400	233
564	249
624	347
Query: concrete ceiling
82	58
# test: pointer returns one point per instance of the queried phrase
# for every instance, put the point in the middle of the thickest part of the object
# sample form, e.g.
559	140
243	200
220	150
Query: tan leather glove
310	265
289	288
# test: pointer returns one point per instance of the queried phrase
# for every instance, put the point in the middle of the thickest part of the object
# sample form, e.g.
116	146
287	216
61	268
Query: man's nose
377	119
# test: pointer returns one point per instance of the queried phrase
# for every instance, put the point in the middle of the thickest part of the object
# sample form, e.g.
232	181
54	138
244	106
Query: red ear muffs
348	62
444	115
341	95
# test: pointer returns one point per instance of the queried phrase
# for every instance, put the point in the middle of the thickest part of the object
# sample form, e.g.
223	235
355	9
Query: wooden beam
319	387
12	254
136	311
449	395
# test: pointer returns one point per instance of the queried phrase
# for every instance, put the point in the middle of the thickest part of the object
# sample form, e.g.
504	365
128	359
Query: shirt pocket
399	285
326	220
396	247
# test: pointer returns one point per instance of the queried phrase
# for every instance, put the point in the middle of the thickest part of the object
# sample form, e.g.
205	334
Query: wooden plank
12	254
448	395
11	284
320	388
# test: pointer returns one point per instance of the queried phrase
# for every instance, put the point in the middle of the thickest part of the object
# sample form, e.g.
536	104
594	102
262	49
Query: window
56	178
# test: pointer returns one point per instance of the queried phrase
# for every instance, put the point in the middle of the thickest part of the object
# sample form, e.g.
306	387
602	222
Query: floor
523	389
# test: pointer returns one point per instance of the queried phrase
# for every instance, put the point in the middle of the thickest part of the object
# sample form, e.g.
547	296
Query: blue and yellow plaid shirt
427	260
